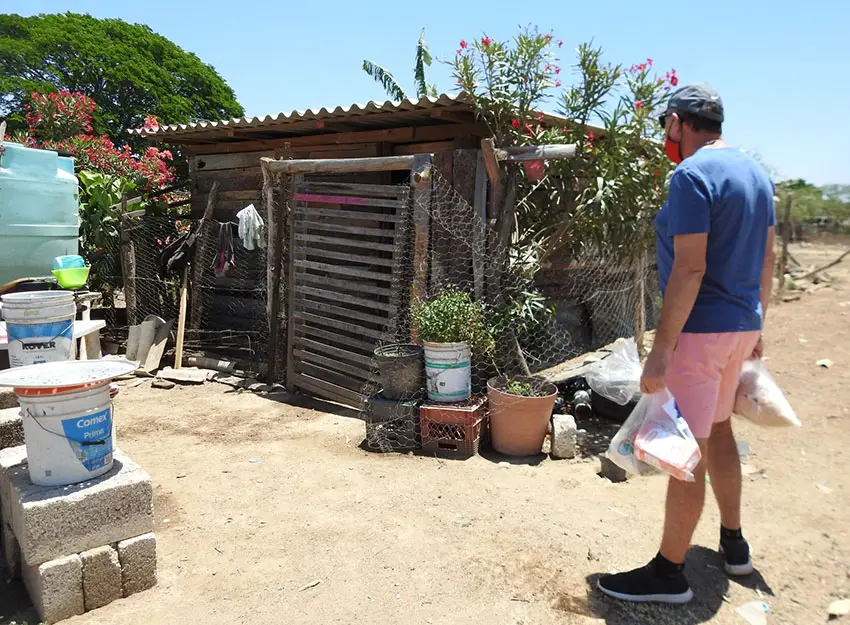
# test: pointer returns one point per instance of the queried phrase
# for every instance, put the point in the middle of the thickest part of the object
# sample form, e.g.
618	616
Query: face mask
673	150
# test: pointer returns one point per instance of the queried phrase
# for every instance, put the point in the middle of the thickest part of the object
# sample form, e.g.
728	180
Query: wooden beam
339	166
536	152
491	161
479	227
787	228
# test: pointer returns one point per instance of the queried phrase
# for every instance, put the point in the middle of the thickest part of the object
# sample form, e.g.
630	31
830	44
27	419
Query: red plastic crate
453	430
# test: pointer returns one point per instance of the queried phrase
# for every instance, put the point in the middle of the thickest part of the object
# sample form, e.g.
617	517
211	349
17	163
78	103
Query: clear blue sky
780	66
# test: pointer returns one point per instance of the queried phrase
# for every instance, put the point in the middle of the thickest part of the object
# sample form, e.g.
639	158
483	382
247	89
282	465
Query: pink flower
642	67
638	104
540	118
486	41
166	154
649	62
515	123
463	44
558	83
548	38
560	43
528	129
557	70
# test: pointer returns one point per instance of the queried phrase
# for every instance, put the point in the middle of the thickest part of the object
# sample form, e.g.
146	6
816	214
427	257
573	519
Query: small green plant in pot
520	408
453	328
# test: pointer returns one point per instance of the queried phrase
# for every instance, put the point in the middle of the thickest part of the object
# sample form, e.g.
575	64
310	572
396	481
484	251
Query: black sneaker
736	557
646	585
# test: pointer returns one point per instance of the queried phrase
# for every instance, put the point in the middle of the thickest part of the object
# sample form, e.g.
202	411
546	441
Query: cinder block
10	556
138	563
564	432
612	471
101	577
11	460
11	428
50	522
56	588
8	399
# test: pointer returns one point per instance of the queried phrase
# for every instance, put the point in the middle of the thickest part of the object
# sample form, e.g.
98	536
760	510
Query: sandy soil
271	513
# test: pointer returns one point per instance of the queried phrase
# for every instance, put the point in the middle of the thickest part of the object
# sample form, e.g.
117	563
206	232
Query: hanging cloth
224	261
178	254
252	228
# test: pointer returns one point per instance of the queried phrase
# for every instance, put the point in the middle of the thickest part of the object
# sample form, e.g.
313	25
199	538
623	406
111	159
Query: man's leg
724	468
682	511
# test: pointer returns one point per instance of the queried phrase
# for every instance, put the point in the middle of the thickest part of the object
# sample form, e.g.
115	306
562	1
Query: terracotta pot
518	424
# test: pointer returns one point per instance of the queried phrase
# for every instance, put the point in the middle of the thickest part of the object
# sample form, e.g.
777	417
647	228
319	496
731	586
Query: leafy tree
392	86
127	69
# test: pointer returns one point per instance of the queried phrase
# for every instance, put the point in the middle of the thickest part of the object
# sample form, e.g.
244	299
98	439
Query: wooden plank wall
347	246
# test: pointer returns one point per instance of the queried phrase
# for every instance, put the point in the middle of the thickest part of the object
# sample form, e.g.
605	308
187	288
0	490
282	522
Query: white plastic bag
617	377
655	437
759	399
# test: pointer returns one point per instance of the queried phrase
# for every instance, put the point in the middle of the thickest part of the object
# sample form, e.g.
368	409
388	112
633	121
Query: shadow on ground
15	605
708	581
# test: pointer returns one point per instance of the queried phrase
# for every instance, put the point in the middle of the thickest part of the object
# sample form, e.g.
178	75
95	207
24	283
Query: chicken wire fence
226	314
522	319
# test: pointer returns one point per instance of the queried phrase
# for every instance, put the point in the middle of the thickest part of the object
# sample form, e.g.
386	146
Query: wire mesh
529	318
227	315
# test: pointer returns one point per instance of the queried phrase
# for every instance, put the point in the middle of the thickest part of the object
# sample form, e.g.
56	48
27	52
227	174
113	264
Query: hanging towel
252	228
224	261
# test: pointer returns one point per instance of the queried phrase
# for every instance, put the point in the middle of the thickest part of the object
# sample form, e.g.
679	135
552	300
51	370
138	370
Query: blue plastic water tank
39	211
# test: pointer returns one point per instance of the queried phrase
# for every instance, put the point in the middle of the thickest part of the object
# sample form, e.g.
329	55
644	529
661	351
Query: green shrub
454	317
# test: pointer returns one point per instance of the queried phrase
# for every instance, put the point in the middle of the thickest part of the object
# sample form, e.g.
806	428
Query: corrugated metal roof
427	104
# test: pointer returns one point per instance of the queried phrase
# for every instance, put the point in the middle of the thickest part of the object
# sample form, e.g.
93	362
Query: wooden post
491	163
274	234
198	265
421	230
479	227
181	319
128	263
640	312
787	227
294	181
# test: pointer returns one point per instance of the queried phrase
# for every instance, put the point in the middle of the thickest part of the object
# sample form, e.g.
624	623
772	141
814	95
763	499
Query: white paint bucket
448	371
67	417
40	326
69	434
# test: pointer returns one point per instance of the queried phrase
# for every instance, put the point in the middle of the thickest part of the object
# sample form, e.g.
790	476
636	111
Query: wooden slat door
347	242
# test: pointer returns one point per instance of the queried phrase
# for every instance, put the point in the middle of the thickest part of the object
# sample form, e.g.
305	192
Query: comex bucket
68	433
448	371
40	326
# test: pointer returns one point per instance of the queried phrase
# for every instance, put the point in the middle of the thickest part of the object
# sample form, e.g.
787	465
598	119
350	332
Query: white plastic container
69	435
67	416
40	326
448	371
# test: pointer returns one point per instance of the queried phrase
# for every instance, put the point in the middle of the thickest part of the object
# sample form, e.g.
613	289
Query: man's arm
679	299
767	270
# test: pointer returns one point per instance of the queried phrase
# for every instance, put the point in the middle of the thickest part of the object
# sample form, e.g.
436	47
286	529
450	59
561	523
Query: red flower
674	80
528	129
540	118
548	38
560	43
515	123
657	173
638	104
463	44
486	41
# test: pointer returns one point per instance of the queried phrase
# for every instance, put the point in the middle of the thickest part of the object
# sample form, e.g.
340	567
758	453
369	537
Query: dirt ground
271	513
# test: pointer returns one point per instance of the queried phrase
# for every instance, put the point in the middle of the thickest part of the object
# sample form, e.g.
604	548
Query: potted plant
520	409
452	327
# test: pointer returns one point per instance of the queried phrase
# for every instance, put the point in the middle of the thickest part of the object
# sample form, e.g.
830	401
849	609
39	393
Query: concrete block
138	563
11	461
564	432
50	522
612	471
11	428
8	399
56	588
10	555
101	577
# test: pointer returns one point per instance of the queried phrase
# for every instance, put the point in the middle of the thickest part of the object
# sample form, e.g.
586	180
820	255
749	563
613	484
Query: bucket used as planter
401	370
518	424
448	371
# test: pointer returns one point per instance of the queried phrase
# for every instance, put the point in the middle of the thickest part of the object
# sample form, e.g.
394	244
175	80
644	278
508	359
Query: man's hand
655	371
758	352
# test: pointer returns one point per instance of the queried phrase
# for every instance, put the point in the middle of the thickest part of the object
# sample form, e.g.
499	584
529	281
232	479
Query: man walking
715	242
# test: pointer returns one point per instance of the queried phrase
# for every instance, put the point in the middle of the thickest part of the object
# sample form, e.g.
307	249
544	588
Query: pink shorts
703	376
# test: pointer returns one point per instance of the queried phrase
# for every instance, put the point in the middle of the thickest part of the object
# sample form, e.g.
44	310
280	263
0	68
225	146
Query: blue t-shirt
725	193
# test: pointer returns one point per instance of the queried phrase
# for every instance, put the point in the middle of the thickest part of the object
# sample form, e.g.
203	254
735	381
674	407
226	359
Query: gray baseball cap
700	99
